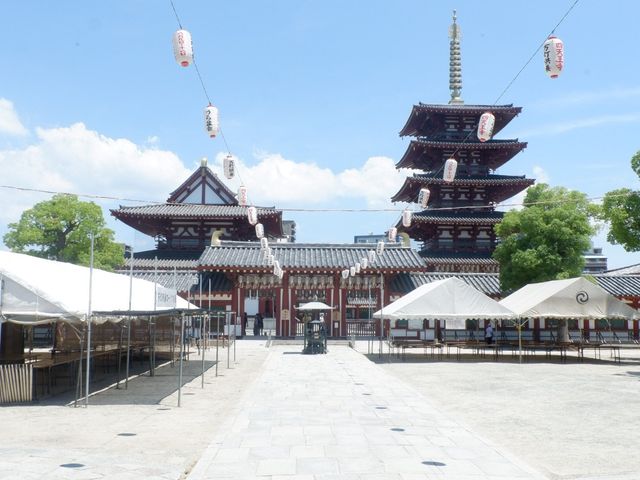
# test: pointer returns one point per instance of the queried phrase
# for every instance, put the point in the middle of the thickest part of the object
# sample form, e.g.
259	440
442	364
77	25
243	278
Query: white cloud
540	174
567	126
275	180
9	122
78	160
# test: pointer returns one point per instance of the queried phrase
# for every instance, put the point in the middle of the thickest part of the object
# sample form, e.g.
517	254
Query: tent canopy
448	299
571	298
311	306
35	290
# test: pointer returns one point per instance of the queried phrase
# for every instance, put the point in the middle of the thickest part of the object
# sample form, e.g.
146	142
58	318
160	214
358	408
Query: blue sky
311	96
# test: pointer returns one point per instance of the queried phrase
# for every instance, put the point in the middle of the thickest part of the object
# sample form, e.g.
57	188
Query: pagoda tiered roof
427	119
425	224
424	154
455	216
436	259
311	257
504	186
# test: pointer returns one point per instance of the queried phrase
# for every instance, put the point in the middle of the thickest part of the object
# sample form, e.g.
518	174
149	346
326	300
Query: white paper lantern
242	195
345	274
267	253
264	243
406	218
380	247
423	197
211	122
450	167
352	271
372	256
229	167
259	231
364	263
392	234
270	259
485	126
183	48
553	51
357	267
252	215
276	267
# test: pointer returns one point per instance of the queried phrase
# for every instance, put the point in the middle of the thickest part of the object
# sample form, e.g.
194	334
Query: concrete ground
279	415
577	420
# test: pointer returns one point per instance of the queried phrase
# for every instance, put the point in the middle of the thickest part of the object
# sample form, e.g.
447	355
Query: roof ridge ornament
455	63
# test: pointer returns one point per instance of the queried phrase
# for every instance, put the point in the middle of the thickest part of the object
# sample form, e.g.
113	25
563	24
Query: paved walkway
339	416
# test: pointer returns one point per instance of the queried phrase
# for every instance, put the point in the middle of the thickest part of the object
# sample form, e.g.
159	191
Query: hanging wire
176	14
313	210
512	81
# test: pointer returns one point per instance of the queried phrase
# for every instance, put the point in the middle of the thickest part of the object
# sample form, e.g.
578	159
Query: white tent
314	306
34	290
571	298
451	299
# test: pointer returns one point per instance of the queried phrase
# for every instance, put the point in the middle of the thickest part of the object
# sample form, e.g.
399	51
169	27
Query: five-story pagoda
456	229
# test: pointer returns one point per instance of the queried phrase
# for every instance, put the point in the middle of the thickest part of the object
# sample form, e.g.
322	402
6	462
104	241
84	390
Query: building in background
594	261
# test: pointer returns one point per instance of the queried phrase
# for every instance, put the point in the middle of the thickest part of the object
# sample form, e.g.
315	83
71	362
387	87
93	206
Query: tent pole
89	315
126	377
228	323
79	379
181	356
119	356
202	350
153	345
217	339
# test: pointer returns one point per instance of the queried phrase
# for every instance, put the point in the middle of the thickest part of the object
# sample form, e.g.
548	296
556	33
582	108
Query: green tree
60	228
621	209
546	239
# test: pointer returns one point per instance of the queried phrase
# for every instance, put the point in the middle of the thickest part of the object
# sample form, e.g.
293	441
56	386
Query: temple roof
487	283
455	216
312	257
507	185
437	258
164	259
187	210
155	219
427	119
203	186
428	154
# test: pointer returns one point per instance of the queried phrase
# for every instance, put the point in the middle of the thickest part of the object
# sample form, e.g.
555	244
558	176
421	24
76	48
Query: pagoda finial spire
455	62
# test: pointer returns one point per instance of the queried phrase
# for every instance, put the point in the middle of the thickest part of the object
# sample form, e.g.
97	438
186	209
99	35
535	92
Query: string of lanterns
553	55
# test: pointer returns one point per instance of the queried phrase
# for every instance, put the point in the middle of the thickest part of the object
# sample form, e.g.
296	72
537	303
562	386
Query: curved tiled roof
190	210
297	256
456	216
487	283
619	285
436	178
422	113
425	154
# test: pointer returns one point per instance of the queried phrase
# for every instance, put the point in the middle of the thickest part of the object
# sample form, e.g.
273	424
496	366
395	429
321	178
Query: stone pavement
340	416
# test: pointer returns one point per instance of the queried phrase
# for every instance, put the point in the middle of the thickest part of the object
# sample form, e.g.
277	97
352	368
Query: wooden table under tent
62	326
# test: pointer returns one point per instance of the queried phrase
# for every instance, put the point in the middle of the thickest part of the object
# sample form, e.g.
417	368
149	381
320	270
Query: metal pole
86	398
119	358
79	380
126	379
228	323
181	356
217	339
202	351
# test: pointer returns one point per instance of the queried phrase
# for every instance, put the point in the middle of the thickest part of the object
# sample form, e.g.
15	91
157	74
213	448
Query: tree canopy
546	239
621	208
60	228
